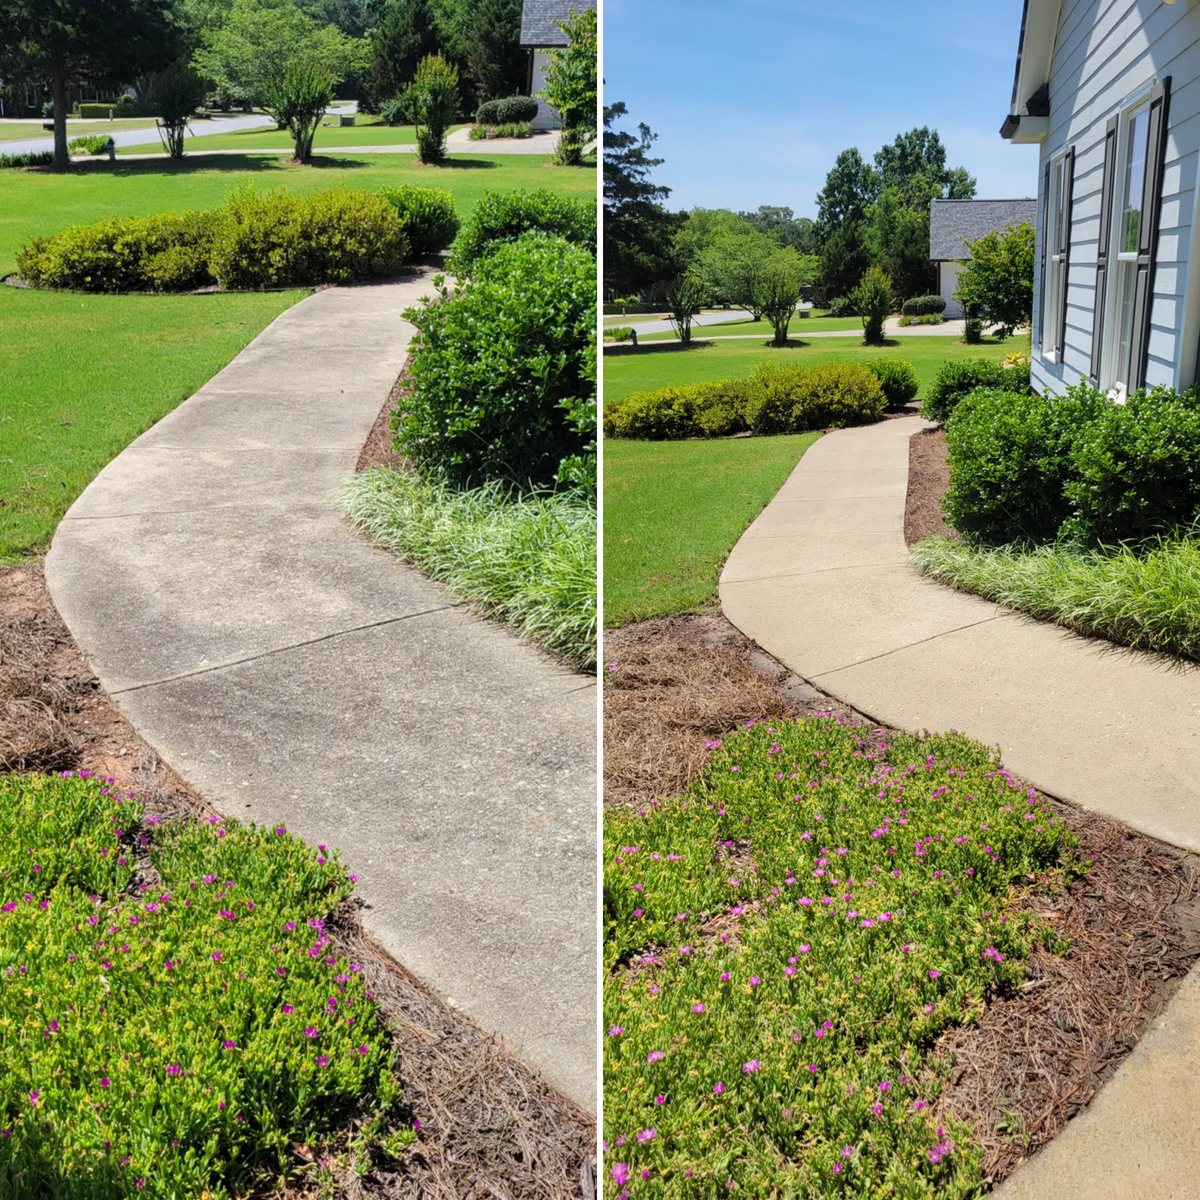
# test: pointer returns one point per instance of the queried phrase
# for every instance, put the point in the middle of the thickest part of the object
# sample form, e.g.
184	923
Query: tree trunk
62	159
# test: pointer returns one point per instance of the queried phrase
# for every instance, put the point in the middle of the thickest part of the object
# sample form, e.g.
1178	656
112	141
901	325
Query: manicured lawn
785	941
367	131
744	325
84	375
673	511
22	131
628	370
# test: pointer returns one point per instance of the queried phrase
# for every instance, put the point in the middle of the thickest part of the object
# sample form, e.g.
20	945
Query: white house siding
1105	52
547	117
947	285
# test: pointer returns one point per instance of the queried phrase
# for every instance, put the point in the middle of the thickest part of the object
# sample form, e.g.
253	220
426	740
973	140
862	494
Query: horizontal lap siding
1105	51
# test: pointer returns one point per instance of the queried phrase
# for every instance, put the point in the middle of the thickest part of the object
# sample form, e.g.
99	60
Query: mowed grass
744	326
22	131
628	370
83	375
674	510
365	132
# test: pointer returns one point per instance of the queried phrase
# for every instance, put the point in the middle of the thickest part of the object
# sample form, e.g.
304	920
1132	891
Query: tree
996	285
898	241
686	295
850	190
844	257
352	17
102	41
570	85
778	291
249	54
432	102
174	95
873	301
787	229
638	230
491	40
299	101
733	265
406	33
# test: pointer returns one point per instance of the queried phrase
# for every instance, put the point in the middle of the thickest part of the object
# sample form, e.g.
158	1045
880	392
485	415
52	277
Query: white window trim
1055	275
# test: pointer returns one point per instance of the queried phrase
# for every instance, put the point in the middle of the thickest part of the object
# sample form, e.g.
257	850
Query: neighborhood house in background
541	36
1117	292
953	222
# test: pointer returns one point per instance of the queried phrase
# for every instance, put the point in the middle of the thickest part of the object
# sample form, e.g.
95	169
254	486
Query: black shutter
1060	326
1041	325
1107	184
1143	296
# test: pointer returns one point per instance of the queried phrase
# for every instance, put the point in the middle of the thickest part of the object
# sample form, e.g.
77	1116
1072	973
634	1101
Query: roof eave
1035	55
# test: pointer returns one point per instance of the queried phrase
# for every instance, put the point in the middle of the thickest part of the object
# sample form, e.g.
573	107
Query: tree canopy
996	285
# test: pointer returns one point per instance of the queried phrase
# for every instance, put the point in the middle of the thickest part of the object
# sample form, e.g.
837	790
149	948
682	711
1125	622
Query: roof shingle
952	220
538	17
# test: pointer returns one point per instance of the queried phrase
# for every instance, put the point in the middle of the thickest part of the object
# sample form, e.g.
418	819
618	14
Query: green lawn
628	370
369	131
84	375
744	325
21	131
673	511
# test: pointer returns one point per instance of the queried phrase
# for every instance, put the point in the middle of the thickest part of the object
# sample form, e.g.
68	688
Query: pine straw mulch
490	1127
1032	1060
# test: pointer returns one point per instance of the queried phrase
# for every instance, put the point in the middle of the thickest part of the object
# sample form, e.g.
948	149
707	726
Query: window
1058	235
1131	189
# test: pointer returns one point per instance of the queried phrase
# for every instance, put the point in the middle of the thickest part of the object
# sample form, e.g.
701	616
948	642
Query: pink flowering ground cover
785	941
173	1013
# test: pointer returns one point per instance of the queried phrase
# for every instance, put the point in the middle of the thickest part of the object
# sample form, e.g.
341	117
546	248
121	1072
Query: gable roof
538	30
952	220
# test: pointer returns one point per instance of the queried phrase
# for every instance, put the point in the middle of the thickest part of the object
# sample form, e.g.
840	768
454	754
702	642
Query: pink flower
720	1087
620	1173
934	974
751	1067
647	1135
655	1056
697	1008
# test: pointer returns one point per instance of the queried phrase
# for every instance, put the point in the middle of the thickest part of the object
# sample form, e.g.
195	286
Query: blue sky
752	100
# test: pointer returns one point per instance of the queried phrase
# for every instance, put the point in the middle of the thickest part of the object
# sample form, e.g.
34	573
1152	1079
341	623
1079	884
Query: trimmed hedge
36	158
504	216
791	399
429	217
127	106
511	110
897	377
954	380
503	375
923	306
270	239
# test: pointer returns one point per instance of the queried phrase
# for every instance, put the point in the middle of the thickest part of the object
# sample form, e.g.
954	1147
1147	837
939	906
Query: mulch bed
490	1127
1032	1060
928	479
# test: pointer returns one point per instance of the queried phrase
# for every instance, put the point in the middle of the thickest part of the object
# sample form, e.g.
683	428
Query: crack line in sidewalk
237	662
900	649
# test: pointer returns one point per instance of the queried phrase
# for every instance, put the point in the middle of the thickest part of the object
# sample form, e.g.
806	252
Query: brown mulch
928	479
1031	1061
490	1127
377	451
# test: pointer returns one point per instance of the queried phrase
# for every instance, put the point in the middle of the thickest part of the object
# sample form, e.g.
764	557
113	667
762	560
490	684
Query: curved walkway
292	672
821	581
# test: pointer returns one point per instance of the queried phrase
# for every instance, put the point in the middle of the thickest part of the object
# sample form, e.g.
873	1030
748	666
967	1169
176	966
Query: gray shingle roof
538	17
952	220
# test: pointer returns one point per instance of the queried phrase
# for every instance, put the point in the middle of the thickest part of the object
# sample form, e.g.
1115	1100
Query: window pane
1135	179
1126	282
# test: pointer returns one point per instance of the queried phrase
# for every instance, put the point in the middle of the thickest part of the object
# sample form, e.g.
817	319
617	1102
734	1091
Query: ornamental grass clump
176	1014
784	942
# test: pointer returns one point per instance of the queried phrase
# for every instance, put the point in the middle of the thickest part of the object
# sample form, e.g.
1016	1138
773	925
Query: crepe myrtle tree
174	95
63	41
571	85
299	101
778	291
686	295
432	101
873	301
996	285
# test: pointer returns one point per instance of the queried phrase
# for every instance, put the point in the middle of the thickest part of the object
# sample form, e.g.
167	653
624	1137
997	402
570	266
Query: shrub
955	379
430	220
36	158
722	406
662	415
1135	471
897	378
529	561
394	111
504	216
168	252
500	366
97	112
1010	459
842	306
831	395
510	110
873	300
298	102
278	239
923	306
931	319
617	333
432	102
88	143
513	129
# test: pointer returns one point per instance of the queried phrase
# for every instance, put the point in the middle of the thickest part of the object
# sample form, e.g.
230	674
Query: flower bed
176	1015
785	941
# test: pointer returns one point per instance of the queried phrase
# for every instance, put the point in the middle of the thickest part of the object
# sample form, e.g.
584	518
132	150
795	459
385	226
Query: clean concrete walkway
821	581
293	672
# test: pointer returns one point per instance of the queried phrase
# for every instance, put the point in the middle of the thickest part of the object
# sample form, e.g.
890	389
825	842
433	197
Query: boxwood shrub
503	367
923	306
504	216
955	379
429	216
897	377
508	111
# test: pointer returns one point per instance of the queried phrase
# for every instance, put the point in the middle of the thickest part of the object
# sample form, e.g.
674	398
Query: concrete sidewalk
821	581
292	672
